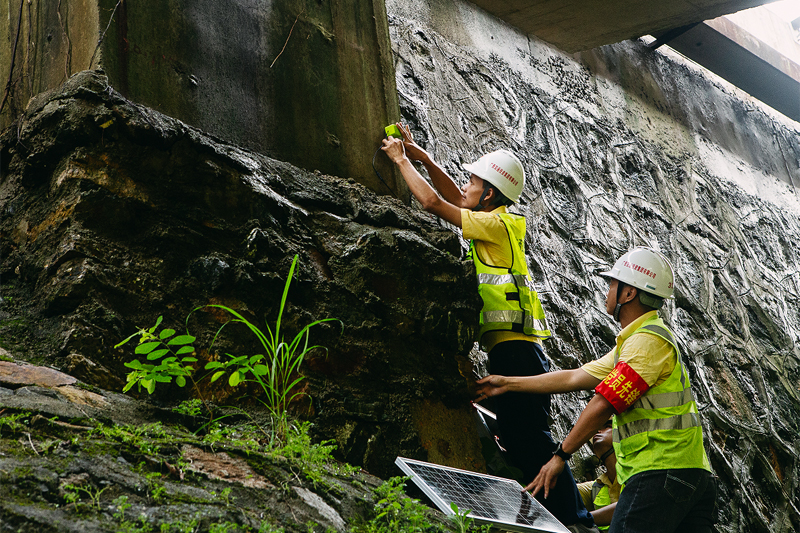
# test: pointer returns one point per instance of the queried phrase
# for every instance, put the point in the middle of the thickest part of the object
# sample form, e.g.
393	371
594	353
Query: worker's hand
491	386
413	150
547	477
394	149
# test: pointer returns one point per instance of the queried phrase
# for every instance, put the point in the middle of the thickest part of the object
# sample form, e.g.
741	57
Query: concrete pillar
44	42
305	81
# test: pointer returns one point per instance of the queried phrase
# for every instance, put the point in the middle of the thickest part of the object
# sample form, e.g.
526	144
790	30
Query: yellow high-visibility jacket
662	429
509	300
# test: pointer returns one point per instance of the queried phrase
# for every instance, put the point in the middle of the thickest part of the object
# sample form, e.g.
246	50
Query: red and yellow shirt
645	361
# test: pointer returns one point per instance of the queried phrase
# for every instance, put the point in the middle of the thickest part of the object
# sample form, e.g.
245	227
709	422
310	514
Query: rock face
114	214
126	465
624	147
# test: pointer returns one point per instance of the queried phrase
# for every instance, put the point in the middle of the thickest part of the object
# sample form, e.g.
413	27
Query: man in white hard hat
642	382
512	321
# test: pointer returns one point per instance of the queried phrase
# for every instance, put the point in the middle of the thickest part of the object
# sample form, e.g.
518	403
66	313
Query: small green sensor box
393	131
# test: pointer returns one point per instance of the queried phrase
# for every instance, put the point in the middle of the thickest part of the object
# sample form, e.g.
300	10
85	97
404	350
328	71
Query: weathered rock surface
114	214
125	465
625	146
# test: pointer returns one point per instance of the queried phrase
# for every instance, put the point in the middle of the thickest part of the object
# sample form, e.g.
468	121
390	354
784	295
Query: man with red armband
643	383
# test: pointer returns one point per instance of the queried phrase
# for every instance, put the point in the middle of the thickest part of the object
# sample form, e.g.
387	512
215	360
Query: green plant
73	494
48	446
312	458
155	347
157	490
267	527
394	511
243	436
277	369
224	527
189	407
226	495
143	437
12	422
128	526
180	526
465	523
122	505
460	519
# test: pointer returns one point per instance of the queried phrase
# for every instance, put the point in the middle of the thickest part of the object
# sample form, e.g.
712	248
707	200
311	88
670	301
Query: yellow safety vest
509	299
601	496
662	429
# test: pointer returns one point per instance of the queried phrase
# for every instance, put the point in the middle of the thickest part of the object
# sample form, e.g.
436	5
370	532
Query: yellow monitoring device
393	131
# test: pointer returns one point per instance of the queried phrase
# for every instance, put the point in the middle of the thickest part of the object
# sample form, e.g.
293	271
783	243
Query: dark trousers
665	501
523	420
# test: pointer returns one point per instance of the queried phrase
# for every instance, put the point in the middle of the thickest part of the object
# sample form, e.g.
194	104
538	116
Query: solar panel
490	500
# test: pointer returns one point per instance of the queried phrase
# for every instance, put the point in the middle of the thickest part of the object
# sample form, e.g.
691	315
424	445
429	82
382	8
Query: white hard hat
502	169
645	269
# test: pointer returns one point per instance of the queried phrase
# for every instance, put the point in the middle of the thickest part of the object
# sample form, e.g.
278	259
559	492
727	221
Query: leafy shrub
276	371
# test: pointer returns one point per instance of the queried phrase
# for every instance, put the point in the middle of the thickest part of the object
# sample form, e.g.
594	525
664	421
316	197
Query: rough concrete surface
575	25
303	81
624	147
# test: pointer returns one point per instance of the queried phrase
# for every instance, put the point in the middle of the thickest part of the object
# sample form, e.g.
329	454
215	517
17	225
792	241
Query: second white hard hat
645	269
502	169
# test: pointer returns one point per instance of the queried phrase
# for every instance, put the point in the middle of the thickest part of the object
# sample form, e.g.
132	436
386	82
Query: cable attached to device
378	173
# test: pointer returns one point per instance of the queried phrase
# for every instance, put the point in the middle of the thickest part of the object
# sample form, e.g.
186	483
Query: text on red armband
622	387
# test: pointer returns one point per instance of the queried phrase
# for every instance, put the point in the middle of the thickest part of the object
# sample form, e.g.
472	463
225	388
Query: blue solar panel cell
490	499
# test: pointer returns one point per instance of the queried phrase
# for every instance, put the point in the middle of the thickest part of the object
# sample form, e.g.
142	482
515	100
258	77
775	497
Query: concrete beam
576	25
735	55
307	82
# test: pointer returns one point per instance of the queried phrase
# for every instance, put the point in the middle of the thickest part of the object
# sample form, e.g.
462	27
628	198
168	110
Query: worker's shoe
580	528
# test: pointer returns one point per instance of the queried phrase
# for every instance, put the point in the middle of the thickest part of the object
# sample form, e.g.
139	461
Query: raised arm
548	383
440	178
422	191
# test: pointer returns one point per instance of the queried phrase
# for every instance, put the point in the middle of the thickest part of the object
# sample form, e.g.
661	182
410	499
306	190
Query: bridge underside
575	25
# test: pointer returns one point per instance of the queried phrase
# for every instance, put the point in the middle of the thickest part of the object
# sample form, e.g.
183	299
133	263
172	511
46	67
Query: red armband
622	387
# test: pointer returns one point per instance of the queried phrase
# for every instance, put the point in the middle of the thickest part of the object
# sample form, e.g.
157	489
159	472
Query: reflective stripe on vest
515	317
502	279
654	401
685	421
662	429
510	301
664	400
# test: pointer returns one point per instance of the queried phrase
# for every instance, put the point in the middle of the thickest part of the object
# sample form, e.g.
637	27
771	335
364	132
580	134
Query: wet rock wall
625	146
